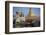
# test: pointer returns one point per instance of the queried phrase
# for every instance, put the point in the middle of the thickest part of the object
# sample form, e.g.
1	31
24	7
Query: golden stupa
31	13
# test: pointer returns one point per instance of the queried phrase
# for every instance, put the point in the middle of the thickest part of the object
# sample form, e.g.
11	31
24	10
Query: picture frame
8	10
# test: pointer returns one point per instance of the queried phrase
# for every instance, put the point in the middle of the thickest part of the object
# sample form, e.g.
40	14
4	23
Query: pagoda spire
29	12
